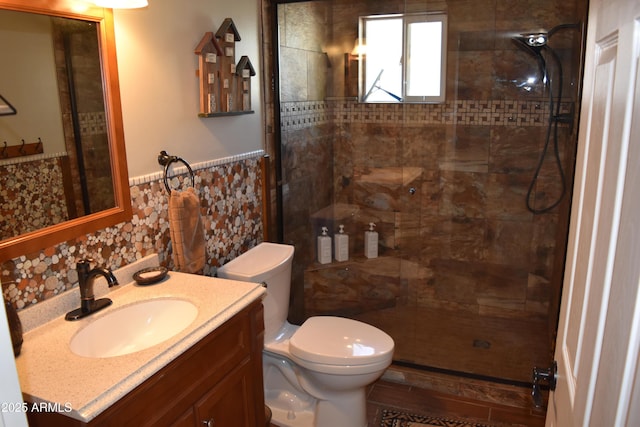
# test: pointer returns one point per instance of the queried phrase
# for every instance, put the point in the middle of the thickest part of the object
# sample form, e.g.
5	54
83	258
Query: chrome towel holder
166	160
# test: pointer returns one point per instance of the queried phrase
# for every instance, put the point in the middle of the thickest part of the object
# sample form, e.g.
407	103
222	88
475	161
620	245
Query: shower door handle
550	375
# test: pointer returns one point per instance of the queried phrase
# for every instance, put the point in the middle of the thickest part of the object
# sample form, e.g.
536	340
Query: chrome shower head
535	40
538	39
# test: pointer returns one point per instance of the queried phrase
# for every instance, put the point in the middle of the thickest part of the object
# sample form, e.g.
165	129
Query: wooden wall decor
225	86
244	72
208	51
19	150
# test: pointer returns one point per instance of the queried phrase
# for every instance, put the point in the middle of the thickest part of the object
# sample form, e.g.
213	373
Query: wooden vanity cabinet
217	381
227	403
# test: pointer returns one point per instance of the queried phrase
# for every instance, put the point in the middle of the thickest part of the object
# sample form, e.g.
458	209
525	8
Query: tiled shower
467	278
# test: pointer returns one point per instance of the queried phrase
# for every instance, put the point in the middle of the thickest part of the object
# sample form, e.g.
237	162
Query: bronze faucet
86	276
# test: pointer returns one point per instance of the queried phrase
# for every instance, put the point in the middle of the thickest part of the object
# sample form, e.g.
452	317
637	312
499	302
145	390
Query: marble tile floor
384	394
474	400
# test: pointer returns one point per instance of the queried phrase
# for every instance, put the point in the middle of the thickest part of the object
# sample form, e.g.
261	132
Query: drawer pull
209	423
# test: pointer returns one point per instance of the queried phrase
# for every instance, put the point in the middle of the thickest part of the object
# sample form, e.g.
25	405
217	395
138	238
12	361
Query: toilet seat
337	341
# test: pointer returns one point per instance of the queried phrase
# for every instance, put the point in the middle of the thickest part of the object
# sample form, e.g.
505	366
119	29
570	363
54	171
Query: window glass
383	64
405	58
424	60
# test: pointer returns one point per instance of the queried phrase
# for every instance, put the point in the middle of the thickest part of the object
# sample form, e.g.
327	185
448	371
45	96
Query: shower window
404	58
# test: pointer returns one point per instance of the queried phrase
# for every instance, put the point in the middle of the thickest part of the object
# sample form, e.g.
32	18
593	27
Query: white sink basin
133	328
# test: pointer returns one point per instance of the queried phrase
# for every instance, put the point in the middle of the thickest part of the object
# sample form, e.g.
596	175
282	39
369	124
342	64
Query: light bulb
121	4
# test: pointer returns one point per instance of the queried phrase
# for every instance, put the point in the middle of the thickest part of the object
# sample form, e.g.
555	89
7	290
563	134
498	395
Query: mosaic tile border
35	157
92	123
304	114
300	115
181	170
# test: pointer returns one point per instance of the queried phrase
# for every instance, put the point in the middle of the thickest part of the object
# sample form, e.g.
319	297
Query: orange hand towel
186	231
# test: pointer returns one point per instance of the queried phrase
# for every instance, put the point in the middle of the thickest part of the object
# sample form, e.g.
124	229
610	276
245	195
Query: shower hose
552	133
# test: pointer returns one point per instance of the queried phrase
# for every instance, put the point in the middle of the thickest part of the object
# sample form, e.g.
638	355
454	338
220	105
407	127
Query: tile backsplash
31	192
231	208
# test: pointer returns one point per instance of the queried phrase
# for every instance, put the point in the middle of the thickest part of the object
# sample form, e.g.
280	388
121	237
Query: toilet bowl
315	374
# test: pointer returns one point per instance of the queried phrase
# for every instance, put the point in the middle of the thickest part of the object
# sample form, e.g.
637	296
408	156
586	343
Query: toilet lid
340	341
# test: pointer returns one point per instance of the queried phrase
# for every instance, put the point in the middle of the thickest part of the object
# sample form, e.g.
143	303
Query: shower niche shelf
225	86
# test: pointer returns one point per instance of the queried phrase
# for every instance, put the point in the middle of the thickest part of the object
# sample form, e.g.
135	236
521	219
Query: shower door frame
275	86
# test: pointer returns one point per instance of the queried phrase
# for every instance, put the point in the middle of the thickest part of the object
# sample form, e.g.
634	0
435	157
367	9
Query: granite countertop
83	387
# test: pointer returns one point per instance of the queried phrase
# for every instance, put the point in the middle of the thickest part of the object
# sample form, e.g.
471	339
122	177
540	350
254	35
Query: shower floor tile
465	342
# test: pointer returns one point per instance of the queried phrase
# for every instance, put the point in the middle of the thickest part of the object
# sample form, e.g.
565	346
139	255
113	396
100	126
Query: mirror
87	32
6	109
54	65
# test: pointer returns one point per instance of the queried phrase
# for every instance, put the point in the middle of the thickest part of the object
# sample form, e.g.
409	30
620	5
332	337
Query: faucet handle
85	261
84	265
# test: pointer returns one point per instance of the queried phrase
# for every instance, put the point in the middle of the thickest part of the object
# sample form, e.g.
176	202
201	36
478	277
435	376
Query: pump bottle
371	242
341	242
324	247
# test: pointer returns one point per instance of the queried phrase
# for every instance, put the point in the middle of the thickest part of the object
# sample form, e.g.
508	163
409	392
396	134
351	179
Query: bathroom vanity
210	373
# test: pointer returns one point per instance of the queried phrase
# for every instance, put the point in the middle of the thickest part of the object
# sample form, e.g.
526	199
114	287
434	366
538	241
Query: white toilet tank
270	264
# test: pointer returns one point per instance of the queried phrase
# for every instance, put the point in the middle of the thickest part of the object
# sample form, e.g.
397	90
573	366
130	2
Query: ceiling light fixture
121	4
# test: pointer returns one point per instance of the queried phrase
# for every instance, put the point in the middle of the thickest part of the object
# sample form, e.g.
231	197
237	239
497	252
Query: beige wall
159	88
28	82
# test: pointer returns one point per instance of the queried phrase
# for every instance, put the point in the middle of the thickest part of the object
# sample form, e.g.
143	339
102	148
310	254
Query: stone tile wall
449	204
231	194
445	183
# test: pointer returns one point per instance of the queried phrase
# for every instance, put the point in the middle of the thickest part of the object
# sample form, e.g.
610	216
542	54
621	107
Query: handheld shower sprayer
535	43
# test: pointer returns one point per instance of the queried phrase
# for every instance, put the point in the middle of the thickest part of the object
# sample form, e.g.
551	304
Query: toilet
315	375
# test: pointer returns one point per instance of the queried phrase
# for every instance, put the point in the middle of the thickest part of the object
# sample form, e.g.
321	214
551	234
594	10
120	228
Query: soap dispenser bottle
341	242
324	247
371	242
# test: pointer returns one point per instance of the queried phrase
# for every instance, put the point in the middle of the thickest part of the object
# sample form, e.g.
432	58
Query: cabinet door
229	403
185	420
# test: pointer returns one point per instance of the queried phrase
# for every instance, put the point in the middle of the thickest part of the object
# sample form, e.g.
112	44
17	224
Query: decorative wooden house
225	87
227	36
244	72
209	52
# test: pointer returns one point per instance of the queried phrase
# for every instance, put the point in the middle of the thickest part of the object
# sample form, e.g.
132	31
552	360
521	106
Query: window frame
407	19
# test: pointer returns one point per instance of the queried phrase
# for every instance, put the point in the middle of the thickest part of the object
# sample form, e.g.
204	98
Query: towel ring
165	160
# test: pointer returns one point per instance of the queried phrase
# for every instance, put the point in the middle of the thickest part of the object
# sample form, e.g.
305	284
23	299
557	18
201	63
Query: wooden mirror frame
68	230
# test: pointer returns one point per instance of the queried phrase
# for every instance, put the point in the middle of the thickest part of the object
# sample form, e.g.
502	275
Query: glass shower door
467	279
